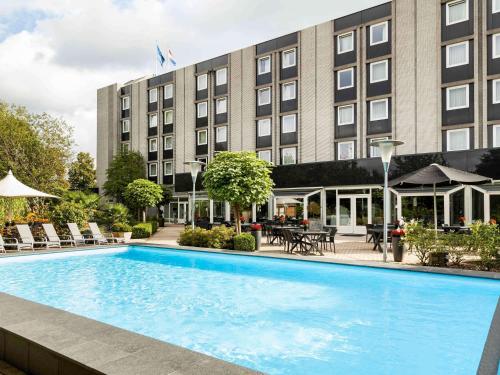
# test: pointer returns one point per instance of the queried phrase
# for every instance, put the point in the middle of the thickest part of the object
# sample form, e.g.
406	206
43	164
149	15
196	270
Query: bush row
144	230
219	237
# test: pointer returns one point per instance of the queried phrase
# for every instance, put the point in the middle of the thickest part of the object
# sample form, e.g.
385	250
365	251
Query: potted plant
282	220
305	224
256	230
397	244
122	230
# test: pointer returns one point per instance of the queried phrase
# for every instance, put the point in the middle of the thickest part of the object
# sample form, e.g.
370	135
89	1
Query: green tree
239	178
81	174
124	168
141	193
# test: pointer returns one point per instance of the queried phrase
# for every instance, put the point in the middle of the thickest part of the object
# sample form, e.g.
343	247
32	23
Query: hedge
144	230
244	242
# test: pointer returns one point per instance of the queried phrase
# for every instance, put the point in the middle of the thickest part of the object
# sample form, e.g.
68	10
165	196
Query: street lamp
386	148
195	167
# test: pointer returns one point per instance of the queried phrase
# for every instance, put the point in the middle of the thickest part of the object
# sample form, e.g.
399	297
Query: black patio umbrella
438	175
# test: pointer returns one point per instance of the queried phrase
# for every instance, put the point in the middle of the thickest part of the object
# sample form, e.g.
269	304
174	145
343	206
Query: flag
171	57
160	56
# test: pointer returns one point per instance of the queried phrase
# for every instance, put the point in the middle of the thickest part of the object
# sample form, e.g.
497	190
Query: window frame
269	152
371	148
351	70
217	83
150	116
466	2
449	46
294	50
386	34
171	85
217	129
351	34
386	63
448	89
127	121
345	143
165	116
495	141
294	156
165	168
338	114
224	98
152	141
386	100
268	120
125	99
155	90
494	99
205	75
494	55
258	96
125	145
451	131
165	143
294	126
294	83
198	132
149	170
198	109
267	57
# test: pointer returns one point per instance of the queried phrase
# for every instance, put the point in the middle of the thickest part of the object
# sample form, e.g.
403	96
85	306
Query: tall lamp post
386	148
195	167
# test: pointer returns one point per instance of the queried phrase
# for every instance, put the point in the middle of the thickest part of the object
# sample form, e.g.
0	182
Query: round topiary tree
239	178
142	193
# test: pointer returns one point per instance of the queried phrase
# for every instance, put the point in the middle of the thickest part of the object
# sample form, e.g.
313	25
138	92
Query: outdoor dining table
378	238
277	232
310	240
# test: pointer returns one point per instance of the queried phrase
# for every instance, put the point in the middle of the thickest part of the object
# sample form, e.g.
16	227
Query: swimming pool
273	315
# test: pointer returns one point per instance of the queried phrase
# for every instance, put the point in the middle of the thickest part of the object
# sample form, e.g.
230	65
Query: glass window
457	11
153	145
153	170
289	124
288	58
457	97
264	65
345	78
221	105
202	137
495	6
125	147
264	96
168	117
264	155
125	102
379	71
153	120
201	109
495	87
495	46
345	43
202	82
379	110
221	77
288	91
264	127
169	91
289	155
153	95
221	134
125	126
457	139
496	135
167	168
345	114
167	143
345	150
375	151
457	54
378	33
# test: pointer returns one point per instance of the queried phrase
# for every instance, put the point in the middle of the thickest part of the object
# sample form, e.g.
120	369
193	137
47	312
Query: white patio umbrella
286	201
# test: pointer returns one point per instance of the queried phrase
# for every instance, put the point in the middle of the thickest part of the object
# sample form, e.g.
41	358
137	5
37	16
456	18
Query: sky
55	54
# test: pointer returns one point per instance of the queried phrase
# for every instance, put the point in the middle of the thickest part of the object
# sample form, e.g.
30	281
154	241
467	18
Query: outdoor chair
99	238
13	242
28	241
75	234
52	236
290	241
329	239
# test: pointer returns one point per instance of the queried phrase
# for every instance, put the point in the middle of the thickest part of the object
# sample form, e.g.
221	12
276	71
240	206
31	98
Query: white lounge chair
27	238
75	234
13	242
98	237
54	237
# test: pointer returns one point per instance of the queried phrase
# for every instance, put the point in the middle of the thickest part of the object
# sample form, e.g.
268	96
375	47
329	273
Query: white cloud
78	46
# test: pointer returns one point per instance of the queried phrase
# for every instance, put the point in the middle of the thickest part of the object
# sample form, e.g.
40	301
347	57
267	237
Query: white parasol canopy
286	201
11	187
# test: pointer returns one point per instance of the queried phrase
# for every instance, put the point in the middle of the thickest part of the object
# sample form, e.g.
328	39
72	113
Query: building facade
312	102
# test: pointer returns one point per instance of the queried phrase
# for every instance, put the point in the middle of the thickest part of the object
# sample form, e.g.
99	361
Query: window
264	65
457	139
457	11
221	105
125	102
345	114
201	137
125	147
457	97
289	155
264	96
221	134
288	58
168	91
345	43
125	126
345	150
379	33
495	45
264	155
375	151
457	54
379	109
496	135
153	95
153	170
264	127
289	124
153	120
167	168
495	87
168	143
201	109
288	91
204	165
202	82
345	78
153	145
495	6
221	77
168	117
379	71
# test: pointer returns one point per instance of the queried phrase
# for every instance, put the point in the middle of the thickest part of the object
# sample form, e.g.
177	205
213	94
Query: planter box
438	259
127	236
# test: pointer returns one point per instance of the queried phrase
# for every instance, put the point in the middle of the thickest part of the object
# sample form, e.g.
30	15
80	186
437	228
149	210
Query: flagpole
156	59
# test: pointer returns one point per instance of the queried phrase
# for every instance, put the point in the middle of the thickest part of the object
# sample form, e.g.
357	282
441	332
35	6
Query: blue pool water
276	316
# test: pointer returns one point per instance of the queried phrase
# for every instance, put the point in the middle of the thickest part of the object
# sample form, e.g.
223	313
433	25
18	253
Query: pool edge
491	353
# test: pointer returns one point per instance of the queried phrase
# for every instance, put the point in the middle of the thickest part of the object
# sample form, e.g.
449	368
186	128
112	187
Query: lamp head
195	168
386	148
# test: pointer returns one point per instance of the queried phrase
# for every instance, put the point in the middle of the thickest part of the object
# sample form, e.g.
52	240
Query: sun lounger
11	242
27	238
75	234
54	237
99	237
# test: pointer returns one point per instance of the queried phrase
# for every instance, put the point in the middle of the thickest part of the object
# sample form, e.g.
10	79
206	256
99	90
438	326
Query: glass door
182	213
353	212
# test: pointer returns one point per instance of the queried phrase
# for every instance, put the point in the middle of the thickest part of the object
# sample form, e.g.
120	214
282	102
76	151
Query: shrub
244	242
485	242
142	230
111	213
68	212
457	246
420	240
121	227
221	237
